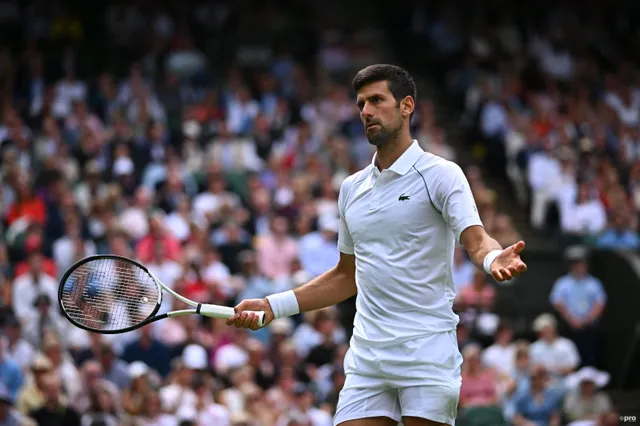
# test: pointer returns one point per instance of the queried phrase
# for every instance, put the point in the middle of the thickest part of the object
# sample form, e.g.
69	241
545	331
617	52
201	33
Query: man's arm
486	253
330	288
478	244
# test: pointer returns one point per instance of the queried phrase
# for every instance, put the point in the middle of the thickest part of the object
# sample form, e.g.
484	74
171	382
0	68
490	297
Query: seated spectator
139	385
619	234
92	380
501	355
558	355
152	412
8	414
476	298
319	250
54	409
15	347
32	395
114	369
303	409
463	269
62	365
309	334
100	409
43	318
149	350
584	401
277	250
585	217
11	376
29	286
540	404
504	232
27	205
158	234
479	388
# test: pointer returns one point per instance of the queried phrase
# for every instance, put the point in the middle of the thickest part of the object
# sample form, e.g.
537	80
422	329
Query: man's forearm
330	288
479	249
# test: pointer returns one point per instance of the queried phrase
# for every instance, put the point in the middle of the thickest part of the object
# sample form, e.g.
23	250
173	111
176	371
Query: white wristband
284	304
488	260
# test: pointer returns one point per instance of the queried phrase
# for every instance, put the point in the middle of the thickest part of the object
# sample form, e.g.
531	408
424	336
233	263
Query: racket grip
225	312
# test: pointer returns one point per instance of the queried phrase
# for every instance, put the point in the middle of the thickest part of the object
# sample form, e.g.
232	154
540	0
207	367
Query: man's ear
407	105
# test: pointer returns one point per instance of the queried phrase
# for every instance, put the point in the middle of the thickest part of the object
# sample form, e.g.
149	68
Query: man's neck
388	153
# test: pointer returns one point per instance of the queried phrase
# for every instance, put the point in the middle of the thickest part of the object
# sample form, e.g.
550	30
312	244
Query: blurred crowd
552	98
224	182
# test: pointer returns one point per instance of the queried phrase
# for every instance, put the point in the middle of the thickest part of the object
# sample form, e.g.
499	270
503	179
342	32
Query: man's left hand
508	263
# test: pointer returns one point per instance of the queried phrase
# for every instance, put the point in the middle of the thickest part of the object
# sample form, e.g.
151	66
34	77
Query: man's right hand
244	319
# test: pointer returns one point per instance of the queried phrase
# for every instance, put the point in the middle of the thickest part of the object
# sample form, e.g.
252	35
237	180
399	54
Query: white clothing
390	383
402	225
174	396
26	289
22	353
229	357
500	358
561	353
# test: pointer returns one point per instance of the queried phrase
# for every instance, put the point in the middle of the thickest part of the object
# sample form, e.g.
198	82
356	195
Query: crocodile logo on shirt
404	197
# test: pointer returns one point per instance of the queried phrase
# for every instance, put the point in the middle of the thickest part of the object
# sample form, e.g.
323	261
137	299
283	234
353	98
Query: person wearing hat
43	319
580	298
585	400
32	395
557	354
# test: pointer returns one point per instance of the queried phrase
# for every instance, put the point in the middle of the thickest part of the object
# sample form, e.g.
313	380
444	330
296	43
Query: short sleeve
345	242
598	291
558	291
453	197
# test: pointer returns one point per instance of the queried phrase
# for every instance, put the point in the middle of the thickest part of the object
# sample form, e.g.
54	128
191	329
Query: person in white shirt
501	356
557	354
27	287
585	216
400	219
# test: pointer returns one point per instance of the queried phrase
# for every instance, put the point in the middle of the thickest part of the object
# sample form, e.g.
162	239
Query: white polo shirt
402	225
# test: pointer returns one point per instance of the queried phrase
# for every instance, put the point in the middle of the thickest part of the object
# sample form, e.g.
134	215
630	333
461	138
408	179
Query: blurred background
208	139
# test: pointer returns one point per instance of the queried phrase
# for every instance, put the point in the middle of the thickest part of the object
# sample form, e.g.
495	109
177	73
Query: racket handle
225	312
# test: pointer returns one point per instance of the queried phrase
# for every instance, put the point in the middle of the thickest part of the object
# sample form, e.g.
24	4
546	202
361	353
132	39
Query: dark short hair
399	80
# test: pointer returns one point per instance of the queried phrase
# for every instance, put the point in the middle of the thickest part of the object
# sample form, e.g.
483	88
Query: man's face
380	113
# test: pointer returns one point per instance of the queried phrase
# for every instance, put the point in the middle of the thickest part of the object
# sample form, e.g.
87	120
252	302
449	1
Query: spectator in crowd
540	404
585	401
15	347
54	410
501	355
479	386
579	298
11	376
558	355
32	396
8	414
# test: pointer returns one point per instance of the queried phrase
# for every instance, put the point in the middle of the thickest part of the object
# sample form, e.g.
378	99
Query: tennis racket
111	294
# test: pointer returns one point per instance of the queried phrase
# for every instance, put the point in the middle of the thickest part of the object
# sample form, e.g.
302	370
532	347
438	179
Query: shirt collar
404	163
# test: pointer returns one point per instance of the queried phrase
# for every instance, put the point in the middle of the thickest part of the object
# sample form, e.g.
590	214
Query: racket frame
204	309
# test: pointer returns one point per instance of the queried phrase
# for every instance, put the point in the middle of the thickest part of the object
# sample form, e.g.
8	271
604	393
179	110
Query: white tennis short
419	378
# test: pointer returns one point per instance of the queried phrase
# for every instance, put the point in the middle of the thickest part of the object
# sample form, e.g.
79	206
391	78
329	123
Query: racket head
109	294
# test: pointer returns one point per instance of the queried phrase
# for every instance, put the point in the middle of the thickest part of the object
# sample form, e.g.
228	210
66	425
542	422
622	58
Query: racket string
109	294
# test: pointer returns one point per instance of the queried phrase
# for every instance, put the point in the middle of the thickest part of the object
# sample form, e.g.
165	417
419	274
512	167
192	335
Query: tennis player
400	219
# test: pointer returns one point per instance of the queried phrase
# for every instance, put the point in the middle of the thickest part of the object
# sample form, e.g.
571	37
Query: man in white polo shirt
400	219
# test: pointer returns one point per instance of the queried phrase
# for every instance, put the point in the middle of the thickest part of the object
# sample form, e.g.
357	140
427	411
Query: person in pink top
277	251
158	235
479	295
479	387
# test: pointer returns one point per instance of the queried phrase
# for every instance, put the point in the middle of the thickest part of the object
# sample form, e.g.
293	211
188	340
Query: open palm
508	263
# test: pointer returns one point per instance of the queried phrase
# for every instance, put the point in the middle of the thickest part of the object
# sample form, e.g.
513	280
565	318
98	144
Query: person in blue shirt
540	404
147	349
10	373
619	236
580	299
